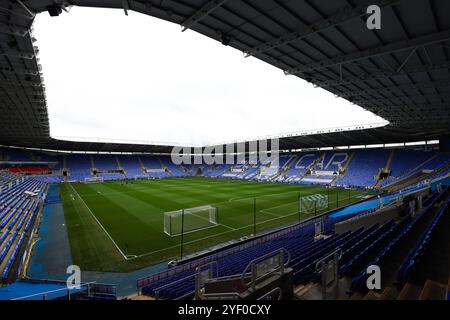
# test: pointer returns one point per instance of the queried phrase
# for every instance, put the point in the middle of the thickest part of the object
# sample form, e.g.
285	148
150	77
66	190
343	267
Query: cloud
140	78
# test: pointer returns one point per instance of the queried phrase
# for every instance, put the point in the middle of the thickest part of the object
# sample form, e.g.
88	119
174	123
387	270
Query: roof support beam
36	102
13	30
391	89
15	83
21	11
400	101
373	52
125	6
407	59
380	75
17	54
203	12
343	15
20	71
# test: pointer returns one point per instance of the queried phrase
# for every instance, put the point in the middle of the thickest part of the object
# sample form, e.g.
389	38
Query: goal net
313	203
141	177
93	179
189	220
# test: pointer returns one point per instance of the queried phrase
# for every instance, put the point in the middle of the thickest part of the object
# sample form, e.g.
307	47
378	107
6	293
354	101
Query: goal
190	220
141	177
313	203
93	179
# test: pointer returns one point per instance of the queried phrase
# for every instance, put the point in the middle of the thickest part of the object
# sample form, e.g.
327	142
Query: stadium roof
400	72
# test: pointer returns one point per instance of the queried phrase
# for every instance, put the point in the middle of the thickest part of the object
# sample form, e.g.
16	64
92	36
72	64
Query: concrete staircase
387	168
431	290
92	162
166	168
64	167
119	165
141	164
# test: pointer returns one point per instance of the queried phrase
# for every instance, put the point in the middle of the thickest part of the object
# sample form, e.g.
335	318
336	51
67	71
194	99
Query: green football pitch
119	226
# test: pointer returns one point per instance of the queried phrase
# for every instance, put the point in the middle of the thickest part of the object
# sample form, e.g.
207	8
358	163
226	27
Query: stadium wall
444	144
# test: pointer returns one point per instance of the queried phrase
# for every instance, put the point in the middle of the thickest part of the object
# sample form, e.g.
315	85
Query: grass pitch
117	226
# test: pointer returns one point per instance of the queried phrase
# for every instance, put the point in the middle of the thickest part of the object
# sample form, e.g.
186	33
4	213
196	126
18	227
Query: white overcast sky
140	78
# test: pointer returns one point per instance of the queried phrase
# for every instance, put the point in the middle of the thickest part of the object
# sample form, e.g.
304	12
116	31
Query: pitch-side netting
190	220
314	203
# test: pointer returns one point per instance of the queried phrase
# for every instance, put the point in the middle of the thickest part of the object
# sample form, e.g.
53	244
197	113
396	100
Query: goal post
140	177
190	220
93	179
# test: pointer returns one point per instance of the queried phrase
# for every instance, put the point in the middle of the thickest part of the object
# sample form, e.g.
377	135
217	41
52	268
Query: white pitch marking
93	215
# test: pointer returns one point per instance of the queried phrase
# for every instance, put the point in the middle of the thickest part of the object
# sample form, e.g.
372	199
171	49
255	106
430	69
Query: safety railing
264	266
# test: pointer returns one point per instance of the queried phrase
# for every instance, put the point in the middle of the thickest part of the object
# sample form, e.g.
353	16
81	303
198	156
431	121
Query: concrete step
448	289
357	296
433	290
409	292
302	290
388	294
372	295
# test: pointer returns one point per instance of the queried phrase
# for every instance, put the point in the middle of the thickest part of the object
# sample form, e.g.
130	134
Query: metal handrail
280	293
211	263
230	276
157	290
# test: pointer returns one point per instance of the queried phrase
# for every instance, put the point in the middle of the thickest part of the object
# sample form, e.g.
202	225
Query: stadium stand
7	177
19	205
368	244
363	168
357	246
416	252
434	166
79	166
407	160
302	163
359	168
174	170
153	167
105	162
379	70
216	170
15	155
395	241
131	166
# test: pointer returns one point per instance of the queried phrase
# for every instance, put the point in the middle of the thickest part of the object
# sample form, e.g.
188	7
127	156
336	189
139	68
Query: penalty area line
215	235
294	213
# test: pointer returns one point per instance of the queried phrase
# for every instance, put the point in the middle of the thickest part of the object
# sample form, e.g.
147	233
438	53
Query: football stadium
355	212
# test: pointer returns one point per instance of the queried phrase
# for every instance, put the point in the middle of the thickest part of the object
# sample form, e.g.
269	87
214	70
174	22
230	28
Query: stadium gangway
415	253
269	295
359	281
